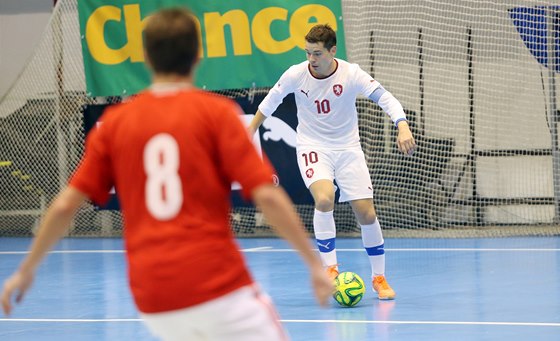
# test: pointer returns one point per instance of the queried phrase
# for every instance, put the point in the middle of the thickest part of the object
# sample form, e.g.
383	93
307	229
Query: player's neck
171	79
330	70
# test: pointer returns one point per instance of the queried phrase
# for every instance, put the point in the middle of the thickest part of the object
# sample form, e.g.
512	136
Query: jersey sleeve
275	96
365	83
238	154
93	175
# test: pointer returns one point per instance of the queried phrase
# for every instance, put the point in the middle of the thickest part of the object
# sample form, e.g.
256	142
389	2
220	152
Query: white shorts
345	166
246	314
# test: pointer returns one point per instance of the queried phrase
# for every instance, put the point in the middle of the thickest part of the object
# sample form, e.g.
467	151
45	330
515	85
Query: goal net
477	79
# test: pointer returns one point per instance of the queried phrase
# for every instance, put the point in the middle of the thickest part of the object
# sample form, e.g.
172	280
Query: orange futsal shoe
332	271
383	289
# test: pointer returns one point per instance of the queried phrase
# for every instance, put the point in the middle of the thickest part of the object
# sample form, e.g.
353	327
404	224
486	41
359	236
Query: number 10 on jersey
323	107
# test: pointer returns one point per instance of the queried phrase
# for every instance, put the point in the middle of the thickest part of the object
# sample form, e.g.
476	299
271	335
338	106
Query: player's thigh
315	164
181	324
322	189
352	176
250	317
245	314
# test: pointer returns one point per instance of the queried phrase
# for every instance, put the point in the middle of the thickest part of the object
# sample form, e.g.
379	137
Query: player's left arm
393	108
54	225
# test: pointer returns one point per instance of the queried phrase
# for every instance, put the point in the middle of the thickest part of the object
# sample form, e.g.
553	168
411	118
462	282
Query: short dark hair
322	33
171	40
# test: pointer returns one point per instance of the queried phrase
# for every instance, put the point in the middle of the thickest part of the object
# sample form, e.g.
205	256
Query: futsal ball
349	289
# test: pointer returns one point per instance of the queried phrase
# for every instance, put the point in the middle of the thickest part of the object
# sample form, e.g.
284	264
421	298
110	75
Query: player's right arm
272	100
281	215
91	180
54	226
256	122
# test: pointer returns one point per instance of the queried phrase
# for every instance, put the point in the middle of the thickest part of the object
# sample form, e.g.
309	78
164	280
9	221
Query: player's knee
367	217
324	203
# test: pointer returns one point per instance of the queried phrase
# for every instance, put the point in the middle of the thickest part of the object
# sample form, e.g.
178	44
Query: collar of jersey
321	78
169	87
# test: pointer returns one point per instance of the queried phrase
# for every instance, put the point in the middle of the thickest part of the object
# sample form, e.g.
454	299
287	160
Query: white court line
468	323
525	324
70	320
257	249
464	249
254	249
271	249
63	251
433	250
473	249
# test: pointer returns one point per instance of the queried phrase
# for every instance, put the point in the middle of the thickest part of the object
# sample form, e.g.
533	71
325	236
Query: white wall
22	23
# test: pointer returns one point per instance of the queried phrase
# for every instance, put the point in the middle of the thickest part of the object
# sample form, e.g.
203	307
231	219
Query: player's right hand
322	285
17	284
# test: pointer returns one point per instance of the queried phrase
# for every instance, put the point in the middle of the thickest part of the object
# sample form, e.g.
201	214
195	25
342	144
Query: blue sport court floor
447	289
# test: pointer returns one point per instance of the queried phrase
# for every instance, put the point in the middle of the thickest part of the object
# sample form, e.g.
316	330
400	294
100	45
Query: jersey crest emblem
309	173
337	89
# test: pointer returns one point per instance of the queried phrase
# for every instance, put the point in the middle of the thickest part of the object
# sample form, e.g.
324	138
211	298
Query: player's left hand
405	140
17	284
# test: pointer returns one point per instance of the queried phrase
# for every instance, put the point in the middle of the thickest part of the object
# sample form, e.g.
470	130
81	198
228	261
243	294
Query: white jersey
327	112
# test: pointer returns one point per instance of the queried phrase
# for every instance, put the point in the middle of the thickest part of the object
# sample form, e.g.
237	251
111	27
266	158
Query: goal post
478	80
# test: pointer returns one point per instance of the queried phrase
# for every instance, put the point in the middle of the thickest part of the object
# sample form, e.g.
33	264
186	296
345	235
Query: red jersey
172	157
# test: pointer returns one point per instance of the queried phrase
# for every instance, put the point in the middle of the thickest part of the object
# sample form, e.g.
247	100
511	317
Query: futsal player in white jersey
328	143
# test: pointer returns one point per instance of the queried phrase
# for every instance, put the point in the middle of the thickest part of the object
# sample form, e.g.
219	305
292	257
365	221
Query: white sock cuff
324	214
372	235
323	225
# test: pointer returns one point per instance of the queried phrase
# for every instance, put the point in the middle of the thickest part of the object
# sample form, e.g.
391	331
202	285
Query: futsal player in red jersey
172	153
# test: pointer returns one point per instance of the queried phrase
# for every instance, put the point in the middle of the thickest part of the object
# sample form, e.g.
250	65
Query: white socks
372	238
373	242
325	234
